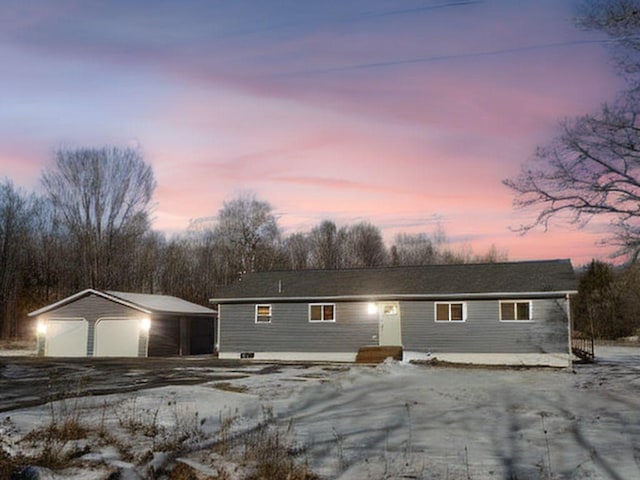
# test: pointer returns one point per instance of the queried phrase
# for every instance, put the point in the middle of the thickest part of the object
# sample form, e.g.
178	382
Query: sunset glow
406	114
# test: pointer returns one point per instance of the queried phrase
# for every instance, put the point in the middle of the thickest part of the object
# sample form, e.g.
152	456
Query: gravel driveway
30	381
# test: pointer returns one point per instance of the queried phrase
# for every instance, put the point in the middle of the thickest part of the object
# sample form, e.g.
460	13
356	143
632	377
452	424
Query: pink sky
407	114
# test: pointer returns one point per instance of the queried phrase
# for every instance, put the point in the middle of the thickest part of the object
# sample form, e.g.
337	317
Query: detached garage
118	324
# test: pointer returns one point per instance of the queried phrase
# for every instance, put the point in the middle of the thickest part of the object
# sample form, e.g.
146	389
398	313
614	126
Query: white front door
389	321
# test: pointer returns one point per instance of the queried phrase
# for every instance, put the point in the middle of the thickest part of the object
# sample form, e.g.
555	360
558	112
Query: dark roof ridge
429	265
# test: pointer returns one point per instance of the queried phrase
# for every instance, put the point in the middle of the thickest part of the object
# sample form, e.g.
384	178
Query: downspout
217	344
568	313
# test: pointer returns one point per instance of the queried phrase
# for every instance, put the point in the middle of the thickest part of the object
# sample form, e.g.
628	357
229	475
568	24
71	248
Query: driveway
31	381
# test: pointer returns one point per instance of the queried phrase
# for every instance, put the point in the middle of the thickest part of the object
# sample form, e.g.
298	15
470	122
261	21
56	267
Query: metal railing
583	347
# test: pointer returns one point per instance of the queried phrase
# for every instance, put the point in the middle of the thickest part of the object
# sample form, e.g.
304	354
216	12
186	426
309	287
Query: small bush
52	444
230	387
272	452
182	472
10	464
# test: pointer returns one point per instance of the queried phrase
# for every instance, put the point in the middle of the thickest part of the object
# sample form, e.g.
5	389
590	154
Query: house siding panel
291	331
483	332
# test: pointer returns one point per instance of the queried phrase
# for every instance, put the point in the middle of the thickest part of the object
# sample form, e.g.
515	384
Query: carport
120	324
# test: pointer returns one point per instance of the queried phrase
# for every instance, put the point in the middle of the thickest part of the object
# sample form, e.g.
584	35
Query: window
515	311
451	312
322	312
263	313
390	309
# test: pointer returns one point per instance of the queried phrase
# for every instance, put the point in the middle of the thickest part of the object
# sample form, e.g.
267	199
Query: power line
455	56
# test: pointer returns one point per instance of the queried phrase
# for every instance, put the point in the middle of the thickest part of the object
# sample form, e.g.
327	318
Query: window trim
464	312
323	304
270	316
515	310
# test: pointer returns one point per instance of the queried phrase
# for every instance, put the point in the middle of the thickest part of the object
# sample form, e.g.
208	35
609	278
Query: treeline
90	228
608	302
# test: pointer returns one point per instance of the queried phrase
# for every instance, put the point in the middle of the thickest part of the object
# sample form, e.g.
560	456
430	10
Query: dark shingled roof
534	277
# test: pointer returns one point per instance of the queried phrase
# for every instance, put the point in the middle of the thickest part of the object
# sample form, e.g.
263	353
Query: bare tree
15	212
592	168
620	20
103	197
492	255
413	249
51	253
249	234
326	245
364	246
176	275
297	250
138	270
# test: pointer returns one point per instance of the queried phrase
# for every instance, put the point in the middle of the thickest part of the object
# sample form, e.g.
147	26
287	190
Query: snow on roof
148	303
162	303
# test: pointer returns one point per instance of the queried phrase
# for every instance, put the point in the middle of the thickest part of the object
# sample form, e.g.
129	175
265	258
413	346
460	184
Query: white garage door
116	337
66	338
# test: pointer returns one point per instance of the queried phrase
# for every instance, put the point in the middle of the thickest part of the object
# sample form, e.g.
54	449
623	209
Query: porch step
377	354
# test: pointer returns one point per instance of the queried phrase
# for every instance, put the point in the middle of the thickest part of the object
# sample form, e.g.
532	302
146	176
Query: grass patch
230	387
151	435
18	344
153	439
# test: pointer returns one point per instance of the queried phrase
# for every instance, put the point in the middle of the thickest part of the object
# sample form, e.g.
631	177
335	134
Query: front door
389	324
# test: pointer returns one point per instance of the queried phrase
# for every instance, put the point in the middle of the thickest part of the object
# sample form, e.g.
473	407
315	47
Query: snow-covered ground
399	420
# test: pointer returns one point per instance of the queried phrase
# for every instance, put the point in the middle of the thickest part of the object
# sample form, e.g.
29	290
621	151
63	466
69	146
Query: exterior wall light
41	329
41	335
372	308
145	324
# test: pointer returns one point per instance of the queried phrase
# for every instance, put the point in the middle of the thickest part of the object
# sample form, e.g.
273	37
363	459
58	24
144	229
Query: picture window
517	311
451	312
322	312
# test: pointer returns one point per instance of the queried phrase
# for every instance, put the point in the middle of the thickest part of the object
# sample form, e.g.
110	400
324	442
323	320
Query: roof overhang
83	293
390	297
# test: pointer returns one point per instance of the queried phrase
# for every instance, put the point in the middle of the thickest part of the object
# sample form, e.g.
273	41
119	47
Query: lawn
395	420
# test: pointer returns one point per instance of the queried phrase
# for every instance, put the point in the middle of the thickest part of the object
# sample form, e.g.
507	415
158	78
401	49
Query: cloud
398	114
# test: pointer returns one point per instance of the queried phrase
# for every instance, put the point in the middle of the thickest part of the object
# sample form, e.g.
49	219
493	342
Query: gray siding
92	308
291	331
483	332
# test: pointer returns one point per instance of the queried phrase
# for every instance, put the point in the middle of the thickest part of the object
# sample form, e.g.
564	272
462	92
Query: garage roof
147	303
162	303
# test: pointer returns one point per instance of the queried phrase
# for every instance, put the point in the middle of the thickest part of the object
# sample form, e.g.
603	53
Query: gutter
386	297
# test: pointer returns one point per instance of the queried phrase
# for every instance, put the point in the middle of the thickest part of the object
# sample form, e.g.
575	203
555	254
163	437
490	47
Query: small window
390	309
322	312
451	312
515	311
263	313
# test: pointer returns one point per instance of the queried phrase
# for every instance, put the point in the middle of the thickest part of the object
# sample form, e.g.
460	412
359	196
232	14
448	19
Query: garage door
66	338
116	337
